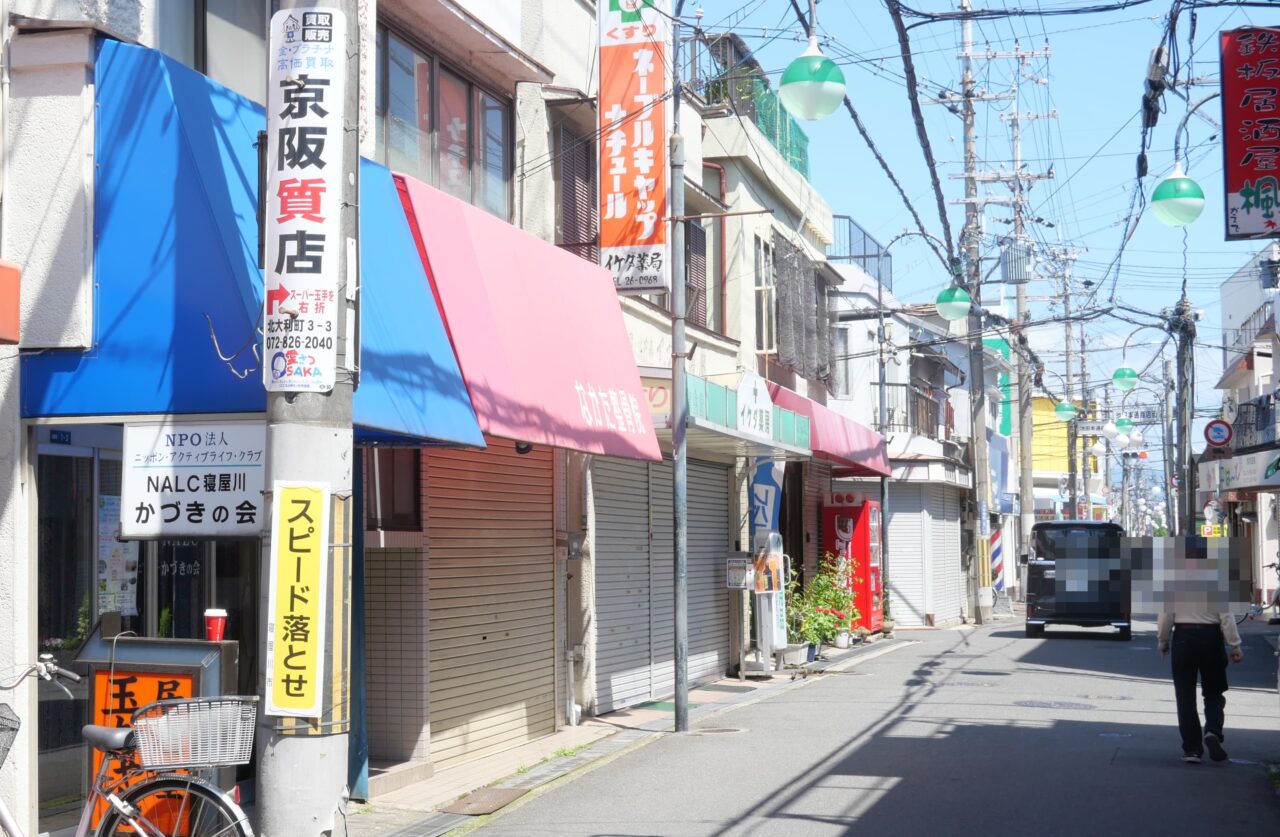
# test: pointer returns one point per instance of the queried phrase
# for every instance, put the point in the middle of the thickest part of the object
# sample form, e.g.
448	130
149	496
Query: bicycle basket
9	724
204	732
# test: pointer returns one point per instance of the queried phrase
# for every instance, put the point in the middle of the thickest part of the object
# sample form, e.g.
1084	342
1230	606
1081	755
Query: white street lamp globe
1136	438
1121	441
953	304
1110	431
812	86
1177	200
1098	449
1125	378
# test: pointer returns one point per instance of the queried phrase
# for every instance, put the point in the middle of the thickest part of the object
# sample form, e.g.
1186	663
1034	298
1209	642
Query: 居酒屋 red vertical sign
635	112
1251	132
305	137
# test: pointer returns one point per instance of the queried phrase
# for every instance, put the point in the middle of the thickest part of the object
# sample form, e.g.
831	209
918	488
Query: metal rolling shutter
662	676
906	521
817	482
491	600
951	542
621	559
944	558
708	548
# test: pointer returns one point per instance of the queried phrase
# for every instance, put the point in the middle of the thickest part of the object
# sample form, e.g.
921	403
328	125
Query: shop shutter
817	482
621	563
944	556
578	232
662	677
907	522
954	568
708	549
490	601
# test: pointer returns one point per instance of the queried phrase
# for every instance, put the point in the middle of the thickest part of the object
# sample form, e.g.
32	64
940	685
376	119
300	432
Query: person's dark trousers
1198	651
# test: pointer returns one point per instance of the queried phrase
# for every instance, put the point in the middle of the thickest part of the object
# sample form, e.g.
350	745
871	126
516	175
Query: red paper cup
215	624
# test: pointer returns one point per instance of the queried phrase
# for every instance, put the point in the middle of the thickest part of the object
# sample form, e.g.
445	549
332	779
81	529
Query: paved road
963	732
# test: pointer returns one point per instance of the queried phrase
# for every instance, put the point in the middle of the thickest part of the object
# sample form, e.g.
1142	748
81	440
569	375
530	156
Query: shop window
224	39
439	127
393	502
766	298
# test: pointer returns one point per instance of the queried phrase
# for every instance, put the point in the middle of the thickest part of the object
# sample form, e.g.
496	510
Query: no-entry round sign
1218	433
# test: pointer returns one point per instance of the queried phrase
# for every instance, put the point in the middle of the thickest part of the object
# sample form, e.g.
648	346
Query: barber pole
997	561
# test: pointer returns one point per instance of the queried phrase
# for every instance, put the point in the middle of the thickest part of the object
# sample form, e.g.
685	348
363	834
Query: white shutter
944	553
491	600
954	567
906	522
708	549
662	609
621	563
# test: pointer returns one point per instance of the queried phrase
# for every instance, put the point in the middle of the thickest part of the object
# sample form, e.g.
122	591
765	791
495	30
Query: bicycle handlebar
57	671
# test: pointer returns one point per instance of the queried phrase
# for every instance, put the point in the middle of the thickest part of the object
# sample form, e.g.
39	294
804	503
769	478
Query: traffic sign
1218	433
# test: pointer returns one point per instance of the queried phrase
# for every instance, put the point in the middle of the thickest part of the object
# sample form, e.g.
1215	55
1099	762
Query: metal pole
1026	429
1166	443
1185	334
309	439
679	396
1072	489
979	568
883	396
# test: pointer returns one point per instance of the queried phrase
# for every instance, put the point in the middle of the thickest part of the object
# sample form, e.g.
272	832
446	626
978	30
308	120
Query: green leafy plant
823	607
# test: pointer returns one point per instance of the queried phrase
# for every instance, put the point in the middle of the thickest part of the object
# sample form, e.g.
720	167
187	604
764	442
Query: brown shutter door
696	275
579	233
491	563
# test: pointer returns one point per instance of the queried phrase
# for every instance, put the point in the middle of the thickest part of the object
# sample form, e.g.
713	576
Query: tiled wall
396	665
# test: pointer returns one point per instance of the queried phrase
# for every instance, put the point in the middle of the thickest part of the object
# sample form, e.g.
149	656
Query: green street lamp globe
953	304
1177	200
812	86
1124	425
1125	378
1065	411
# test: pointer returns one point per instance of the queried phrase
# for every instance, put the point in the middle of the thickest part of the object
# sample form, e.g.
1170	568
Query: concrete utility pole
302	762
679	394
1072	489
1166	442
980	568
1184	333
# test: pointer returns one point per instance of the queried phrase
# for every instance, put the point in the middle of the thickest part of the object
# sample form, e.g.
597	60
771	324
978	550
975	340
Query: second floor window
441	128
224	39
766	298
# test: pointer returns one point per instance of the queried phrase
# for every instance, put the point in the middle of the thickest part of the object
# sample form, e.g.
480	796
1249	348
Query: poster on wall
634	118
117	562
303	271
1250	72
193	479
296	599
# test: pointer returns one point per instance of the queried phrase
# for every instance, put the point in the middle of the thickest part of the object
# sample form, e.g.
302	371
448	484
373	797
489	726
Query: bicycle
1255	611
156	791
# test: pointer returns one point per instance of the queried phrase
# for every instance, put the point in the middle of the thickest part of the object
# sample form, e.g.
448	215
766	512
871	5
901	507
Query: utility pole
302	752
679	394
1083	449
1072	488
979	568
1184	333
1170	506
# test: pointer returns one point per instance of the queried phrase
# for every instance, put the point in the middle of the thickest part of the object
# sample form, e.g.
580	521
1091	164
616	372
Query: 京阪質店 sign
1250	61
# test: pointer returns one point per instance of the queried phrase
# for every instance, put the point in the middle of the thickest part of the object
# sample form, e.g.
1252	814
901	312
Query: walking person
1199	642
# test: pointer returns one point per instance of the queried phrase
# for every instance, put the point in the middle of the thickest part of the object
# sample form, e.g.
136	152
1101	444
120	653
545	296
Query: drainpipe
724	267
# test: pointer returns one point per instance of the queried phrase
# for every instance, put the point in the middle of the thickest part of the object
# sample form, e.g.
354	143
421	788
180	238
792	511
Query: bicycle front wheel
176	806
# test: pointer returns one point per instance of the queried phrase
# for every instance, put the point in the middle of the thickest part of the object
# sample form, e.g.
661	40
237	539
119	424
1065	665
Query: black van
1076	576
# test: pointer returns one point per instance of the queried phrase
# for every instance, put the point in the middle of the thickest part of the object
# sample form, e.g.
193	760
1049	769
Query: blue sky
1094	82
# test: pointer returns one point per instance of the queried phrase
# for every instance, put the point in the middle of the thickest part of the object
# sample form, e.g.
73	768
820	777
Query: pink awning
538	332
836	438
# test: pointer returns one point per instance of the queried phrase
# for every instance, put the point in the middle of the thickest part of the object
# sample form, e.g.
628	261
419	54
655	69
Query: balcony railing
854	245
1255	423
911	410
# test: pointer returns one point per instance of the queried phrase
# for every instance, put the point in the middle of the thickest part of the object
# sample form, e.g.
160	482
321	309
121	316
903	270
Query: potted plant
887	626
823	609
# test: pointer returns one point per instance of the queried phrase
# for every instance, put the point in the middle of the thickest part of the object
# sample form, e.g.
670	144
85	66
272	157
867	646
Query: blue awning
177	279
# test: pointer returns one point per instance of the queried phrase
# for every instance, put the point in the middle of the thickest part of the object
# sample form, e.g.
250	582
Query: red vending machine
851	531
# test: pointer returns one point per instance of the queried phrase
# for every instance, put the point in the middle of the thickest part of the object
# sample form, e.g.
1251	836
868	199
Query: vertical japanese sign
305	94
1251	131
635	112
297	598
